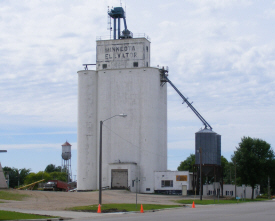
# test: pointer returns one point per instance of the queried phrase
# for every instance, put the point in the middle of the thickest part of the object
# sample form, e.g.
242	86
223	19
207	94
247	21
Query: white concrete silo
135	146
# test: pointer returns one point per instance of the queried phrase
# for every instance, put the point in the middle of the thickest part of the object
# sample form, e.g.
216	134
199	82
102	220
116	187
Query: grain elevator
134	147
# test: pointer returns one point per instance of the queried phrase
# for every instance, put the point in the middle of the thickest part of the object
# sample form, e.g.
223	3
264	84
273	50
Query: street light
100	154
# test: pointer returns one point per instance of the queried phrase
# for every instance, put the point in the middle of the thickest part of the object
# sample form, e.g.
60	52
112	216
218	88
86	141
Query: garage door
119	179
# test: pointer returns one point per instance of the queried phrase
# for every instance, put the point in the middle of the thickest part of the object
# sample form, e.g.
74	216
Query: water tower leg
114	28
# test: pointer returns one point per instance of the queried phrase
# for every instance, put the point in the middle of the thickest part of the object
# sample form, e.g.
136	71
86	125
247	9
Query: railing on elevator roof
135	35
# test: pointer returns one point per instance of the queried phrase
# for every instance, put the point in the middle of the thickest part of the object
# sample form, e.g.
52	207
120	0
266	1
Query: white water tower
66	159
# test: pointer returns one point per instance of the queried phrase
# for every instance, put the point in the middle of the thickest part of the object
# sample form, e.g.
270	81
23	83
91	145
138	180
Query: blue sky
220	53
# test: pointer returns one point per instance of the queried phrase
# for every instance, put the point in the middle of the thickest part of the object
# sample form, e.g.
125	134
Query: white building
229	190
135	146
173	182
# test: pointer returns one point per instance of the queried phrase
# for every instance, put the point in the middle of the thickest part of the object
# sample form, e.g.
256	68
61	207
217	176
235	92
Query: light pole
100	155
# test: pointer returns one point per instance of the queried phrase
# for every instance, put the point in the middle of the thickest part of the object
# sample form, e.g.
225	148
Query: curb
53	219
150	211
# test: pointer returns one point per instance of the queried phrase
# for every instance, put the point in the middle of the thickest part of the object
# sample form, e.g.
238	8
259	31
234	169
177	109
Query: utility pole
230	176
268	186
137	180
215	186
8	178
18	178
200	175
235	178
100	164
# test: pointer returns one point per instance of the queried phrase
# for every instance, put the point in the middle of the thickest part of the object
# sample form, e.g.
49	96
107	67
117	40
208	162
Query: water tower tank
210	143
66	151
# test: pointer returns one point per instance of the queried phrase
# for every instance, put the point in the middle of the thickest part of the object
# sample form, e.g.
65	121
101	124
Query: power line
132	145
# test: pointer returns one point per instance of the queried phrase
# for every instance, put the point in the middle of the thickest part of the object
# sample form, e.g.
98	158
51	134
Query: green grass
220	201
105	208
8	215
5	195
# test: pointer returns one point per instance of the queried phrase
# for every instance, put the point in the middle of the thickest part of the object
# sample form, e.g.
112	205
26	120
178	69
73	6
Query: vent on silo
210	144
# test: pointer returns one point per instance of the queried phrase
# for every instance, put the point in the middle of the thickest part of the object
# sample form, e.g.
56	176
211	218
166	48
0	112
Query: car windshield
50	183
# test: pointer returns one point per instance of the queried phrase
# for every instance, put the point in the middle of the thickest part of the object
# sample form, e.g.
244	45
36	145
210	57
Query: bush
263	196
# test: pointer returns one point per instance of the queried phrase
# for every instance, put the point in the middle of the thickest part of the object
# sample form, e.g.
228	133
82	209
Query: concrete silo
135	146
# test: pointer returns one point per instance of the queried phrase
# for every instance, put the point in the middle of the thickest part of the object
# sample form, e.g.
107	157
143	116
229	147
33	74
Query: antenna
125	9
109	24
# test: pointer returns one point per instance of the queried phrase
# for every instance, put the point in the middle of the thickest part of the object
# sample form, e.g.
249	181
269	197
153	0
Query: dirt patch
40	200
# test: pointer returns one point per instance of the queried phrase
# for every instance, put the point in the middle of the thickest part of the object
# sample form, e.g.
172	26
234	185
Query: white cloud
49	146
220	54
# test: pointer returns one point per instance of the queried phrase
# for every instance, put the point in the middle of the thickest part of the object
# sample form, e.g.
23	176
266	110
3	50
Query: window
104	66
135	64
148	189
167	183
133	183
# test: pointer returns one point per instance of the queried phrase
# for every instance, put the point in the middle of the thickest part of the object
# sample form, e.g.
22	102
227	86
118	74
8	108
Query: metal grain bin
219	149
210	143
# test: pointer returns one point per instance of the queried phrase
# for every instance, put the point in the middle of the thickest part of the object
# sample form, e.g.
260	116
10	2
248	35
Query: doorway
119	179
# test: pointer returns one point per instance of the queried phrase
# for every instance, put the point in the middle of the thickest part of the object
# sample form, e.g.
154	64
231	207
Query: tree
62	176
254	161
34	177
52	168
228	173
187	165
16	176
228	169
224	162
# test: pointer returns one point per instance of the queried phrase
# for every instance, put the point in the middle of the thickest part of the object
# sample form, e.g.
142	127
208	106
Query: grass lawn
105	208
8	215
220	201
5	195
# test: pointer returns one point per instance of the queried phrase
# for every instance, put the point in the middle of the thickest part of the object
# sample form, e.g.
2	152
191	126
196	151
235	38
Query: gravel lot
48	200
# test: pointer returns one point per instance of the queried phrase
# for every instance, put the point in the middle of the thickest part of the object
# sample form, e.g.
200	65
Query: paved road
255	211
